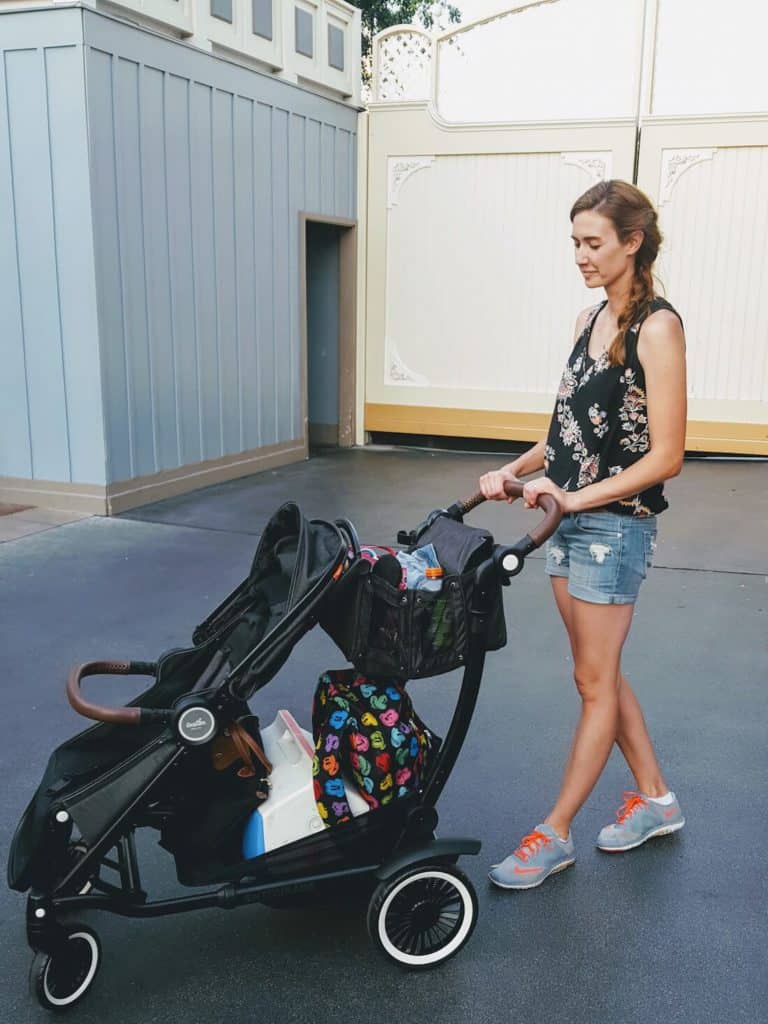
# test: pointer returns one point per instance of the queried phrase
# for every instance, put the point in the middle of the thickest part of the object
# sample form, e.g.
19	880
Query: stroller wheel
61	979
424	916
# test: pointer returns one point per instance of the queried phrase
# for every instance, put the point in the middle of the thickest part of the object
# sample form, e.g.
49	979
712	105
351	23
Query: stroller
148	765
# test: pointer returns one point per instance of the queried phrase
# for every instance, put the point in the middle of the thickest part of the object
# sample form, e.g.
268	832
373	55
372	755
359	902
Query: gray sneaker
539	855
639	819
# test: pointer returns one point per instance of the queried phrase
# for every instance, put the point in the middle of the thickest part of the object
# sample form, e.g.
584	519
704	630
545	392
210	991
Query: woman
617	433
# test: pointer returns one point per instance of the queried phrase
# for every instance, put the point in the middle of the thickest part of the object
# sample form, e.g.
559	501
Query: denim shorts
603	555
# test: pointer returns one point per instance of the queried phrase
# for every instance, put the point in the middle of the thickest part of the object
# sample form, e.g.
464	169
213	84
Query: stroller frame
393	844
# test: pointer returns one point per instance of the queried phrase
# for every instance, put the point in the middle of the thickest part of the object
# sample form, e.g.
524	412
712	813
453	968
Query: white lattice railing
402	64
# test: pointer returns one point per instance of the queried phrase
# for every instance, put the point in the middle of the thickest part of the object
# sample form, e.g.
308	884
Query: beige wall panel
710	57
710	180
513	66
472	291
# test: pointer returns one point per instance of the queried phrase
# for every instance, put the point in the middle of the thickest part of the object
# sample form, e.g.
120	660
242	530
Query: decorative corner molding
398	373
674	163
400	169
597	165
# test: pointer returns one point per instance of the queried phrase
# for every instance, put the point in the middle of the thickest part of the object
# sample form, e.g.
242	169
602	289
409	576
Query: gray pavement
673	931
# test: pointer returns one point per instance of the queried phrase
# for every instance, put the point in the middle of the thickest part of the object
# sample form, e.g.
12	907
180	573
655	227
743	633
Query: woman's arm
661	350
528	462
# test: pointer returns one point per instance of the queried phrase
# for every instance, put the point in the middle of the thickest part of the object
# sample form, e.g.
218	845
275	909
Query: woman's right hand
492	485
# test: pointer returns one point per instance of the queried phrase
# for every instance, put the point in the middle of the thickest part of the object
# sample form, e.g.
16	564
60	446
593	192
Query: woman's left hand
543	485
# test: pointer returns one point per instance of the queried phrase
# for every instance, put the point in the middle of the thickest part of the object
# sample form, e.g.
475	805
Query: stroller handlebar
99	713
546	502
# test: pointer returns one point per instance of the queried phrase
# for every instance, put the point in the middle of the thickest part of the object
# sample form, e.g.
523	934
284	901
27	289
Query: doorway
328	314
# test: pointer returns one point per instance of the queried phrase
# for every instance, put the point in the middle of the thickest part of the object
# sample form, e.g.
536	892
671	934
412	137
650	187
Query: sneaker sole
664	830
533	885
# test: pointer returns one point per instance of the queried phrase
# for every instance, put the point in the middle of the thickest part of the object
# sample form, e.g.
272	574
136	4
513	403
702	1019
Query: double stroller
149	765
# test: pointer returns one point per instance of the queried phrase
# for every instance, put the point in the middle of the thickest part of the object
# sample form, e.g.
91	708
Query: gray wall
199	170
50	390
167	291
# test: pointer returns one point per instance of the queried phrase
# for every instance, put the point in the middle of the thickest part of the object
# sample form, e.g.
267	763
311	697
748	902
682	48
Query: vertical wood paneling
283	226
722	292
265	272
341	170
15	442
157	263
327	168
209	184
245	257
37	269
226	263
133	266
203	236
68	141
109	280
178	191
313	202
149	278
296	202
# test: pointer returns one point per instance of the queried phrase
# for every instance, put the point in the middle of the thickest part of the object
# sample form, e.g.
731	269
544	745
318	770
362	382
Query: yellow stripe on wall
701	435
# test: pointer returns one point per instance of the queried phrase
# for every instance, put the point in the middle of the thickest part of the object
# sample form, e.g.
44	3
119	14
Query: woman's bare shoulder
661	325
661	337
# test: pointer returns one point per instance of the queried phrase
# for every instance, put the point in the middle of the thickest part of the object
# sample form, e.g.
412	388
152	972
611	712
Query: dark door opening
323	271
329	332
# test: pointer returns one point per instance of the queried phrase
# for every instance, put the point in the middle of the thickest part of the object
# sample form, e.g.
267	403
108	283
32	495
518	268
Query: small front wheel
59	980
424	916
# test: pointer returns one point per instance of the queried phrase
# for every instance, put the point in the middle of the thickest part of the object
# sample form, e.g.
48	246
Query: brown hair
629	210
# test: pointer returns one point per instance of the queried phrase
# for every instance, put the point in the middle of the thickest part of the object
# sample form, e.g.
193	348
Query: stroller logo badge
196	725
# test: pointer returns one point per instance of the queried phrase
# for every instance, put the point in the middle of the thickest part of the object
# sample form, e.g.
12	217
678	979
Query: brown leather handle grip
246	745
99	713
546	502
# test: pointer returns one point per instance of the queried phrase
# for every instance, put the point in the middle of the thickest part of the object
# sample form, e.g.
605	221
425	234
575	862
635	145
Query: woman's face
600	256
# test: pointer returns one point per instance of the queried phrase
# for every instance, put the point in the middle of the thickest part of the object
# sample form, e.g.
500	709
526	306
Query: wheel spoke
425	916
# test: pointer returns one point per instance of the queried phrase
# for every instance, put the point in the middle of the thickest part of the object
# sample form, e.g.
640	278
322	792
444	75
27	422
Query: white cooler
290	811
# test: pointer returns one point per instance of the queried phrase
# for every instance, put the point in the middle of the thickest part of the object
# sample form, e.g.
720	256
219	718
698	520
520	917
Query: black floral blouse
600	423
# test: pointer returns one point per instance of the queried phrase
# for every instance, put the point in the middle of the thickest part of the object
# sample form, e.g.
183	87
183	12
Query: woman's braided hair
629	210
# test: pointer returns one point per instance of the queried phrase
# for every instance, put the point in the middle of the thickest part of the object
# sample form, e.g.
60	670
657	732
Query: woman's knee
596	682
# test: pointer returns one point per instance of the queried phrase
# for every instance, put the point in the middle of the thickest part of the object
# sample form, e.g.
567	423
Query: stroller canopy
261	621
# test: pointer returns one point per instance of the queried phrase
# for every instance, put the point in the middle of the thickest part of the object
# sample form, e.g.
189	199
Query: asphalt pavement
673	931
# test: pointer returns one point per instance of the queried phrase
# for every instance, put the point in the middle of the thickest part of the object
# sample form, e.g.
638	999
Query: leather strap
246	745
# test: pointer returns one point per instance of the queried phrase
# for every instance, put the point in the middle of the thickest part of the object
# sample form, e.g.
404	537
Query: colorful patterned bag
370	732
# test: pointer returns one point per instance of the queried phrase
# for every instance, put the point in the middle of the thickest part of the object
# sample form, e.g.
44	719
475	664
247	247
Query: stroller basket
411	634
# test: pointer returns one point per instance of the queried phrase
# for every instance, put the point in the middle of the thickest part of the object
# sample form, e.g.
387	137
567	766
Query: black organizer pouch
411	634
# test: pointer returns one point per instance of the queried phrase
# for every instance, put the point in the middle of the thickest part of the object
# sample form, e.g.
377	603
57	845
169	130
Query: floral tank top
600	423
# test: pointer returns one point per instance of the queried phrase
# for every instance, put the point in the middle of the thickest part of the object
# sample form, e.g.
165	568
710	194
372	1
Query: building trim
701	435
100	500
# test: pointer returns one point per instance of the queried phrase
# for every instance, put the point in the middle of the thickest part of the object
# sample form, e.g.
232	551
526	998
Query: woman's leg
598	633
635	743
631	733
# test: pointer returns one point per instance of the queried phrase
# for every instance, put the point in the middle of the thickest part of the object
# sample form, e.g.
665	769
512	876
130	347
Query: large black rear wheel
59	980
423	916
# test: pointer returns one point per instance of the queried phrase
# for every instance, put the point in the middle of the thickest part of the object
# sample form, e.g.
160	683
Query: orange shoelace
530	845
632	802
